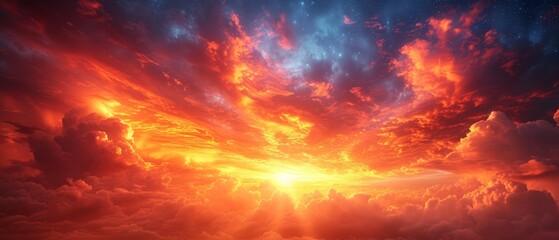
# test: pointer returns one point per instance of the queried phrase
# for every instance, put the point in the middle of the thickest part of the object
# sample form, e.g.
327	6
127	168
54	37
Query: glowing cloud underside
279	120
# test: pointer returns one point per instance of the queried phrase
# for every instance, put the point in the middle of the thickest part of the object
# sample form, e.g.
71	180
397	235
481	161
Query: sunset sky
409	119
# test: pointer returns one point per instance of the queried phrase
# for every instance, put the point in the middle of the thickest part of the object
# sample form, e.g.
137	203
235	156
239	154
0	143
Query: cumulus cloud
525	151
499	144
88	182
89	145
499	209
98	187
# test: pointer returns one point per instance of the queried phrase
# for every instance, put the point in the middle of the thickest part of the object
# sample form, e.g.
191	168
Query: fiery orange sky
279	120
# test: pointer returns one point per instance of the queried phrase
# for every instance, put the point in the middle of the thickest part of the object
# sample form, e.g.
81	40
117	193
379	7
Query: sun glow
286	179
298	180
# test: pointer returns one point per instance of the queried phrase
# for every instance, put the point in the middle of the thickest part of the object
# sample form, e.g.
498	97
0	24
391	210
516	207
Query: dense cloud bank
91	184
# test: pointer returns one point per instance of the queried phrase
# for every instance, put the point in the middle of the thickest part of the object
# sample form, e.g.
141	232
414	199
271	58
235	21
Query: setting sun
286	179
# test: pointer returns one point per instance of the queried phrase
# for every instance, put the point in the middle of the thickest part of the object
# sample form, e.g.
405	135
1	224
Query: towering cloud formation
278	120
88	146
500	144
63	194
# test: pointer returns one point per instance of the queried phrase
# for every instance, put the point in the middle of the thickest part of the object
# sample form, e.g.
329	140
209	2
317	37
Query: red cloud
499	144
525	151
118	202
89	145
93	9
347	20
283	29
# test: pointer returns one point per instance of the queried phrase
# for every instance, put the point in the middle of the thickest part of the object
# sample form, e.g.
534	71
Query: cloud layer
61	195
